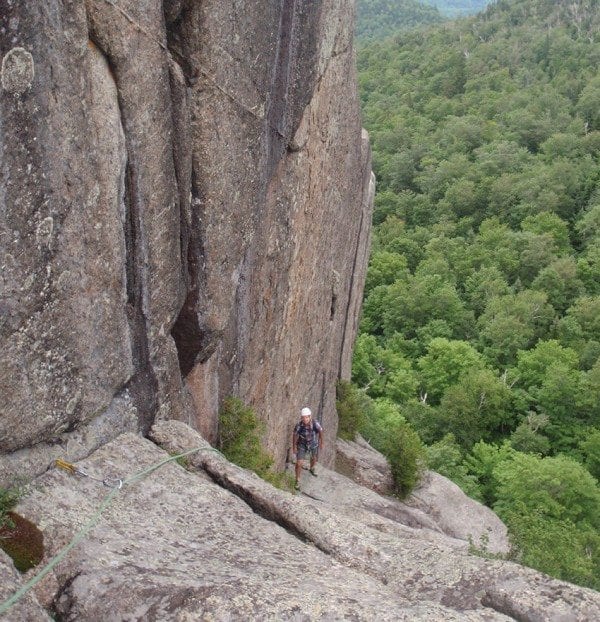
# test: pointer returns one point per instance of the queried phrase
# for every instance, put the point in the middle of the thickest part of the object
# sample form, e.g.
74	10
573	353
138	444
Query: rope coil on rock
116	485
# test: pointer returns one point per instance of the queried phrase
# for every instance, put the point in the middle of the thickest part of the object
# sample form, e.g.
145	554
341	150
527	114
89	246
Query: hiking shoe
313	472
296	486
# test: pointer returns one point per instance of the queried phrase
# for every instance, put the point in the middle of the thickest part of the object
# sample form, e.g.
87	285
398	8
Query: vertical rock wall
184	213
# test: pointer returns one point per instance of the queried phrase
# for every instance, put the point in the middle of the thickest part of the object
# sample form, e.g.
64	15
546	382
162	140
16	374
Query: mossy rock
22	541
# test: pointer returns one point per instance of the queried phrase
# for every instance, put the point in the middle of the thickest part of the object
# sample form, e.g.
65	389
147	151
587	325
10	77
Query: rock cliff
185	203
185	199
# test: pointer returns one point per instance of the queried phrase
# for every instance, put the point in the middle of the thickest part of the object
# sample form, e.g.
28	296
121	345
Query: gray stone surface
206	540
364	465
185	201
176	546
28	608
459	516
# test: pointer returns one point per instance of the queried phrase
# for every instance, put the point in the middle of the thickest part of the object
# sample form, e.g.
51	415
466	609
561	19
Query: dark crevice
258	506
186	331
189	339
130	235
143	386
294	76
71	427
175	18
333	304
321	406
180	152
190	74
361	224
271	513
502	604
194	343
62	603
278	103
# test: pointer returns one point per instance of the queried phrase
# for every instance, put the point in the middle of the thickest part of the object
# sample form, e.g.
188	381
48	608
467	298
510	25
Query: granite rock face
185	203
363	464
65	340
457	515
208	540
436	503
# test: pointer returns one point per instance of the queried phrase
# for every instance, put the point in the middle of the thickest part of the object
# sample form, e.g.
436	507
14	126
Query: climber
307	440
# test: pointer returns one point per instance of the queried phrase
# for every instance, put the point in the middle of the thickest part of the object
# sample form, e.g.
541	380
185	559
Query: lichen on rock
17	71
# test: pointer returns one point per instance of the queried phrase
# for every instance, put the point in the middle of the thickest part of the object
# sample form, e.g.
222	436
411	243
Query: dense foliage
378	18
240	440
481	319
383	425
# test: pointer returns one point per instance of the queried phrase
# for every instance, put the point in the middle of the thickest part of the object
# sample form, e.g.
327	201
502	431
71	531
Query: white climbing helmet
306	412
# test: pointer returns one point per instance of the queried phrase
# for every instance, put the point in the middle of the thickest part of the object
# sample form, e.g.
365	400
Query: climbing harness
116	485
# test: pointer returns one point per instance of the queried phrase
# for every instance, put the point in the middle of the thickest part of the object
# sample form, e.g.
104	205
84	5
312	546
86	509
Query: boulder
458	515
364	465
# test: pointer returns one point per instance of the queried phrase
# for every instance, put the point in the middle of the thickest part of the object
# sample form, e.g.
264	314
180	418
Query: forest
380	18
479	349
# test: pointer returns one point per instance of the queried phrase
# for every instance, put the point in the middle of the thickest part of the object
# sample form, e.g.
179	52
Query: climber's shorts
304	452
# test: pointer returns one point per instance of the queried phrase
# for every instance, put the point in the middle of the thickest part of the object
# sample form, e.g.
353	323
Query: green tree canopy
443	365
478	407
552	506
482	300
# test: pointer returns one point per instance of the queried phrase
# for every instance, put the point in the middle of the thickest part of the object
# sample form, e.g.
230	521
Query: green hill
377	19
456	8
481	319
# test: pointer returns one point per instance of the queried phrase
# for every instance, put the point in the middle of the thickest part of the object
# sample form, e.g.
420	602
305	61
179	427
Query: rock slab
363	464
459	516
205	539
437	503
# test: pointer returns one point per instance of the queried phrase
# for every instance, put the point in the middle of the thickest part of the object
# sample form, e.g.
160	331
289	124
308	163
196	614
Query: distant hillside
456	8
377	19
